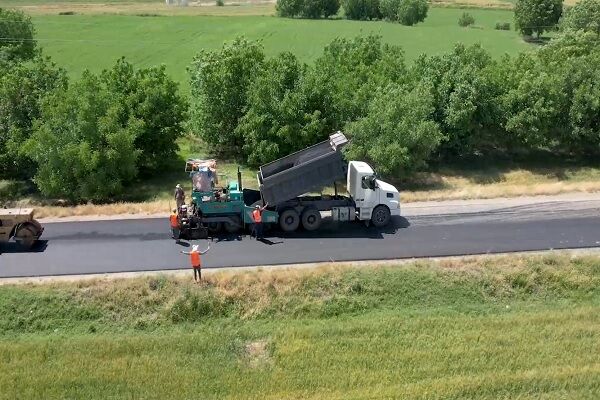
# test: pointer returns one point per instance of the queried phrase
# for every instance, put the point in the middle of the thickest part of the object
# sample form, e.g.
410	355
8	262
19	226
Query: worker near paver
257	219
179	196
174	221
196	261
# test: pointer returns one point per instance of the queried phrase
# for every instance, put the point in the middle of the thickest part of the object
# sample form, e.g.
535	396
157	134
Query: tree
466	19
17	32
398	134
82	150
285	114
362	9
219	83
151	97
537	16
584	15
289	8
22	88
411	12
330	7
307	8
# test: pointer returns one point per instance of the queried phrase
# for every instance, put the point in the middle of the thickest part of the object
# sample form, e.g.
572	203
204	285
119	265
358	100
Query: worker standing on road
196	261
257	219
179	196
174	221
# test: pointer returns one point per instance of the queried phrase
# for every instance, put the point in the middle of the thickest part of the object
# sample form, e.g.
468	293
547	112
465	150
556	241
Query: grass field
481	328
94	42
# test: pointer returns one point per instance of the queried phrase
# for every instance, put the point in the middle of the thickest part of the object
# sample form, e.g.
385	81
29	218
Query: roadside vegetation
481	328
113	136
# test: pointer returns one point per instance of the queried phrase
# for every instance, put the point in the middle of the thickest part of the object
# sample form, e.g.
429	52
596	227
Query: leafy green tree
352	69
82	150
152	97
537	16
466	97
411	12
584	15
361	9
466	19
22	88
398	134
289	8
330	7
219	82
17	32
285	114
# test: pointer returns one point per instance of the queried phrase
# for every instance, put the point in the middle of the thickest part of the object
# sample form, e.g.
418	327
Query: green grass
97	41
480	329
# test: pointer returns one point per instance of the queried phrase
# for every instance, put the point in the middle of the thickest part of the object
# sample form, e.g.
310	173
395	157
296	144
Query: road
144	244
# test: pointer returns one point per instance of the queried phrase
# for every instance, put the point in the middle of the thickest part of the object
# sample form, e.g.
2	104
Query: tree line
87	139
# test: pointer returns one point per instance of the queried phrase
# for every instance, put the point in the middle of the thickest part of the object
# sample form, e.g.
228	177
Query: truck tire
381	216
26	237
214	227
234	226
289	220
311	219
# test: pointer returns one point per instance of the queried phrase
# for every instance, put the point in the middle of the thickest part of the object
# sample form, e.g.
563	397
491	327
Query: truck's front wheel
381	216
289	220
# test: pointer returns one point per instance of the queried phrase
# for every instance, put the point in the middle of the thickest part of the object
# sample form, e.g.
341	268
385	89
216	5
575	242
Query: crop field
508	327
79	42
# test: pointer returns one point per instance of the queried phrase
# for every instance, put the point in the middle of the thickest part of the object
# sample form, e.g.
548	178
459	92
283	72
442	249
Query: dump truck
18	223
283	186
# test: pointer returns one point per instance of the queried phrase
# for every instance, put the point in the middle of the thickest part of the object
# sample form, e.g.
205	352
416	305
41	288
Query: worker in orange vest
174	221
257	219
196	261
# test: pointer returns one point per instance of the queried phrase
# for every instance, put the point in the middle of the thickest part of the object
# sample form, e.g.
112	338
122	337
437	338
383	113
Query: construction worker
174	221
257	219
195	261
179	196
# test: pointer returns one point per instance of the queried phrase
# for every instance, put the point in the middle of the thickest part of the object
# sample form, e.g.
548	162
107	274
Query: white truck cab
376	201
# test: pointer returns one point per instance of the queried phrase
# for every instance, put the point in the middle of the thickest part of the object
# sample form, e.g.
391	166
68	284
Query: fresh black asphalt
145	244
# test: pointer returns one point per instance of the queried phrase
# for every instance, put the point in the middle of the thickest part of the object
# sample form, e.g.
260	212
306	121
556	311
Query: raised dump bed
304	171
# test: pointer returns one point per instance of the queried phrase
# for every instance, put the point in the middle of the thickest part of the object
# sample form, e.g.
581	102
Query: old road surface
145	244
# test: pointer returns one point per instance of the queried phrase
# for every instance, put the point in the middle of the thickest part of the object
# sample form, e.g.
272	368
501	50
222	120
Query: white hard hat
195	247
178	185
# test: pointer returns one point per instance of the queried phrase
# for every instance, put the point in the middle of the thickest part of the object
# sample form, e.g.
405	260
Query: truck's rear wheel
381	216
233	225
289	220
311	219
26	237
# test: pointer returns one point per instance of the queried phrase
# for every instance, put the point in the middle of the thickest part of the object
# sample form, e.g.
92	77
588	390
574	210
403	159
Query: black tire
289	220
311	219
381	216
26	237
234	226
214	227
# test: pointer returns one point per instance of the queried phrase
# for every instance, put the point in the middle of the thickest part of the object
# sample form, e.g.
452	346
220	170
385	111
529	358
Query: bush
220	3
307	8
585	15
466	19
412	11
502	26
362	9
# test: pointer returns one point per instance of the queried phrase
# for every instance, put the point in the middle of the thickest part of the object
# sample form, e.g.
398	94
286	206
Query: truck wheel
233	225
311	219
289	220
26	237
381	216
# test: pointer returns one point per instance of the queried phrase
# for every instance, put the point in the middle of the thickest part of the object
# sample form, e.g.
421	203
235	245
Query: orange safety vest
257	216
195	259
174	221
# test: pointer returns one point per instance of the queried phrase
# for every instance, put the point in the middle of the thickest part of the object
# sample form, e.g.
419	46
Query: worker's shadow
226	237
269	242
12	247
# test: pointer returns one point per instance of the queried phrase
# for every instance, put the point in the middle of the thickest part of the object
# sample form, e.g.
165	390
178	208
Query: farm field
480	328
94	42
